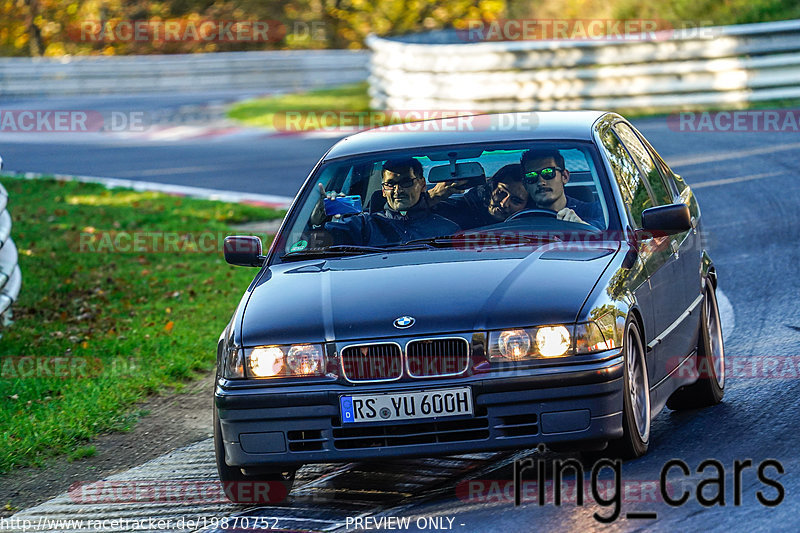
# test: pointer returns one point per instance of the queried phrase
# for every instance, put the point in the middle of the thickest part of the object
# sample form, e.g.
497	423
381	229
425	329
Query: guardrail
718	66
10	274
259	71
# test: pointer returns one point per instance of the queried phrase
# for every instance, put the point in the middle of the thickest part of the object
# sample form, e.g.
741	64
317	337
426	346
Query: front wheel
635	402
710	362
264	487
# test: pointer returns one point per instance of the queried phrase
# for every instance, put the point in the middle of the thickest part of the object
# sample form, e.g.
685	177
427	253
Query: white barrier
10	274
274	70
723	66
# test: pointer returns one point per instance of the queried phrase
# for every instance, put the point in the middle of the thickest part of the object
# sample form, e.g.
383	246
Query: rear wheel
636	402
710	362
269	486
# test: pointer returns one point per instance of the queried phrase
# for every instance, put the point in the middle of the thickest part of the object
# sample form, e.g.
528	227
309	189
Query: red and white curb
185	133
171	134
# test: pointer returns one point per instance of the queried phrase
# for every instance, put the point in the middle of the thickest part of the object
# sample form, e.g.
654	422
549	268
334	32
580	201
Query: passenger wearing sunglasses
545	175
406	215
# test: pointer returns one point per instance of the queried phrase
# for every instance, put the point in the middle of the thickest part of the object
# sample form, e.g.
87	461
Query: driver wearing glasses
406	215
544	176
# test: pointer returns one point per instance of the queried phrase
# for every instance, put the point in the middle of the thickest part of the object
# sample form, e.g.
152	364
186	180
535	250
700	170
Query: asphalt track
747	186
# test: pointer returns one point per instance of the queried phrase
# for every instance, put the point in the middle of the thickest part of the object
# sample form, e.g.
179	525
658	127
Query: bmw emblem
404	322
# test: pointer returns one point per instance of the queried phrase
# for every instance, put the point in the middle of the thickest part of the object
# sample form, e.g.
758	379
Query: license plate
406	405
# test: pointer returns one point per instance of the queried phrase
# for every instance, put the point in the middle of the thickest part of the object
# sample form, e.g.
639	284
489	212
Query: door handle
676	248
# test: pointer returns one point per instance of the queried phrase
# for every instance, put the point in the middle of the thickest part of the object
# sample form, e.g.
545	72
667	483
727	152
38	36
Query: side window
660	193
631	185
670	176
347	186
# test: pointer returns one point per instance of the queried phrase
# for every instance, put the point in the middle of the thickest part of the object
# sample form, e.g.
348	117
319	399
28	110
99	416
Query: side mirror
243	250
667	219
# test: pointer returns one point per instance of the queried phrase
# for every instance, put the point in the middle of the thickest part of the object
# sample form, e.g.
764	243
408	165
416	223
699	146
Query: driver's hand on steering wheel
569	215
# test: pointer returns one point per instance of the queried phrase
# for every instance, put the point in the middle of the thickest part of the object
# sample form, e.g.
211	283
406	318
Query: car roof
533	125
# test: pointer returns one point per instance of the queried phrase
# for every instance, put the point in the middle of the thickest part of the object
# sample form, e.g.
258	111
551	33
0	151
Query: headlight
305	360
514	344
553	341
529	343
266	361
297	360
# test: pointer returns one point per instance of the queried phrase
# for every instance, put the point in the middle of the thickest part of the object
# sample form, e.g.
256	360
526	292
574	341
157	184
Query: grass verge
102	319
262	112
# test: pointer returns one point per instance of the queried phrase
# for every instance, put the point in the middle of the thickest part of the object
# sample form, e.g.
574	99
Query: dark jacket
590	212
471	210
390	227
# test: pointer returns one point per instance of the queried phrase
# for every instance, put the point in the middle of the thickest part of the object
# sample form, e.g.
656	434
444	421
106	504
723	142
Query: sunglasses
389	186
547	173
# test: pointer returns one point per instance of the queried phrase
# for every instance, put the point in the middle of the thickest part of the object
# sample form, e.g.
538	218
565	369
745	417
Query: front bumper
291	425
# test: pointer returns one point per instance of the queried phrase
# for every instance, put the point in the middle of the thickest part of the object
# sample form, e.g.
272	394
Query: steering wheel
532	212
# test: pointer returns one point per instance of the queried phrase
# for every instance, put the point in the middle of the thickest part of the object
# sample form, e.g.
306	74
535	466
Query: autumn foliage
122	27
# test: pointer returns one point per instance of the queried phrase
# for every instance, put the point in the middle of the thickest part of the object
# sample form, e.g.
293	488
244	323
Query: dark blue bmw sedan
490	283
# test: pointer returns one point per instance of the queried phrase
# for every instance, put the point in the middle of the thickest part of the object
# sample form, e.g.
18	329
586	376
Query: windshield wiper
347	249
332	251
438	242
487	238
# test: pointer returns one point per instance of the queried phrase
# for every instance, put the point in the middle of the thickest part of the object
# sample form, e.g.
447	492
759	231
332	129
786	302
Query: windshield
388	200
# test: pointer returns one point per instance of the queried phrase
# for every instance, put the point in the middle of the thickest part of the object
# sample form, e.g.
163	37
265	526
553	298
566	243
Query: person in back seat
483	205
544	177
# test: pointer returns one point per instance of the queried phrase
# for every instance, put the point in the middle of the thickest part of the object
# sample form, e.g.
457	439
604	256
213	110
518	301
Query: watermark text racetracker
196	31
178	30
743	367
65	367
401	120
91	240
200	491
72	121
759	120
592	29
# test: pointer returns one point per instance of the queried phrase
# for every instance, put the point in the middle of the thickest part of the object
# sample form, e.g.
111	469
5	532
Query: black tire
710	361
265	487
635	402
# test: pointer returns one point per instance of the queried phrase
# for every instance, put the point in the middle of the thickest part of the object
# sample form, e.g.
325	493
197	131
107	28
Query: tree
58	27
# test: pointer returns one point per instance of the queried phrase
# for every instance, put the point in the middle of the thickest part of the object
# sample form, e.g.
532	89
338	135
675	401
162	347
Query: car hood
452	291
